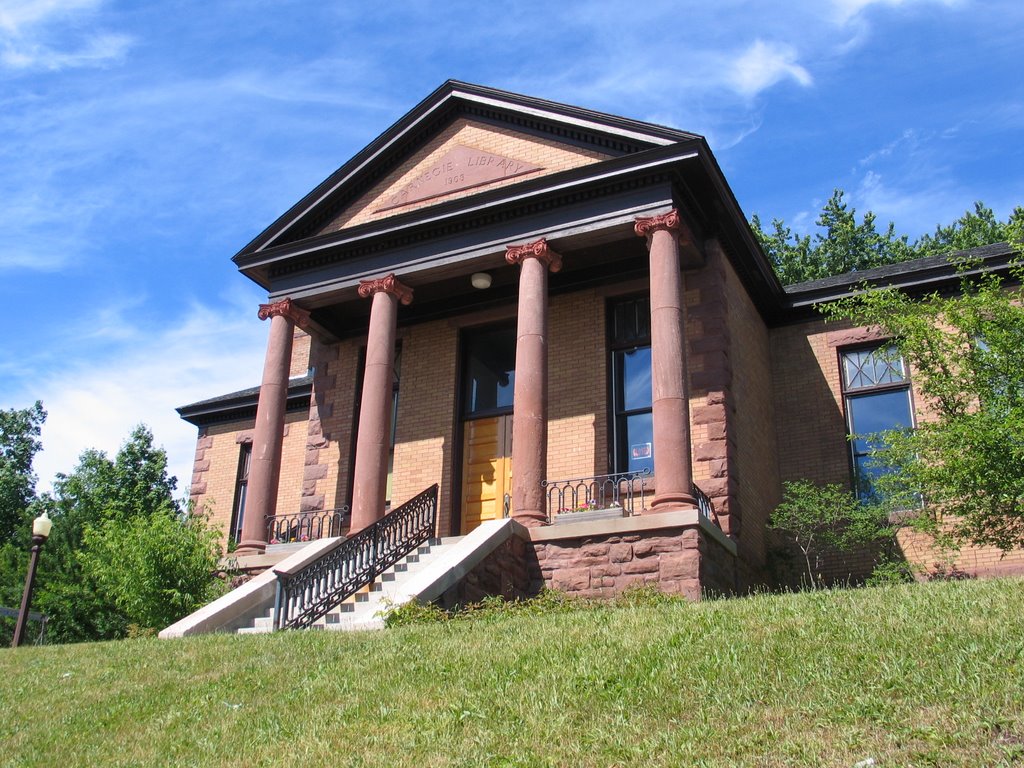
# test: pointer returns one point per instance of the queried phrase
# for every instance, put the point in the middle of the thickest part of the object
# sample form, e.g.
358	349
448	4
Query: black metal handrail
580	494
309	593
307	526
621	490
705	506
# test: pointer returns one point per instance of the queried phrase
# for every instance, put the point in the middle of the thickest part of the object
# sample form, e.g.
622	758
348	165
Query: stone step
361	610
257	630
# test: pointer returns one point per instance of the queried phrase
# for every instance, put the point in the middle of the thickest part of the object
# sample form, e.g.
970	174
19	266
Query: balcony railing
624	490
307	526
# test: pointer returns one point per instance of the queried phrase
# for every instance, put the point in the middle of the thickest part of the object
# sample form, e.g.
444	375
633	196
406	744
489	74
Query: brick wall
977	561
577	386
550	155
811	426
751	419
506	572
215	471
301	342
329	436
425	448
708	339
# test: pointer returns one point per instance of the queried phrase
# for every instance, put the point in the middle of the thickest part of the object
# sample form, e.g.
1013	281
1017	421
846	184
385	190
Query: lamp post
40	531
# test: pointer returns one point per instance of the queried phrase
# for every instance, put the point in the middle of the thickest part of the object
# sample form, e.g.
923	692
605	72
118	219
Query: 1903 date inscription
460	168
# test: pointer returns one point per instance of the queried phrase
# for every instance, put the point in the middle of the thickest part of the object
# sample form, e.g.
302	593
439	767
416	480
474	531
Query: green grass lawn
914	675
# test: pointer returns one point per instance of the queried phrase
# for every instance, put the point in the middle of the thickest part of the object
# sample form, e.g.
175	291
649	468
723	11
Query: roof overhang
942	274
241	405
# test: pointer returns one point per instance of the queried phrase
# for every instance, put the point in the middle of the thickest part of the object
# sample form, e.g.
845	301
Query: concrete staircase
424	575
365	609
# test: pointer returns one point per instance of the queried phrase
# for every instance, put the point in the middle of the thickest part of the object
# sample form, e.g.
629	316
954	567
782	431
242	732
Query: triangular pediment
462	140
464	159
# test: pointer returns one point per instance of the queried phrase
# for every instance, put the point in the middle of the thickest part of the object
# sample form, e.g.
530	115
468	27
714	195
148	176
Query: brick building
557	316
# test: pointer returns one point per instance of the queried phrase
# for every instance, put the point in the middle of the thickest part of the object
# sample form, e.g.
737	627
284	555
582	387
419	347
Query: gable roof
567	124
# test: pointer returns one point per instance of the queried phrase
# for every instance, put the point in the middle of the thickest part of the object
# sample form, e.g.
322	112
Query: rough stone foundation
683	559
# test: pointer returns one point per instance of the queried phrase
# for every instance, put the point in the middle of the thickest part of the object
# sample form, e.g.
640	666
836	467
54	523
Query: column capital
540	250
645	226
387	284
285	308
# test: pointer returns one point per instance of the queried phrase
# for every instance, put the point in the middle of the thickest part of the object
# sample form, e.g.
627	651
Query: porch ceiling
448	292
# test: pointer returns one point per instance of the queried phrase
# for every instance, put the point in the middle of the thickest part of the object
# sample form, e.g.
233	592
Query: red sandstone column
369	484
530	397
265	469
673	475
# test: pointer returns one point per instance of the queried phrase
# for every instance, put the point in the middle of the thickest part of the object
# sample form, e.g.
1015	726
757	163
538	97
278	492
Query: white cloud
845	10
907	138
32	36
142	376
16	15
763	65
98	50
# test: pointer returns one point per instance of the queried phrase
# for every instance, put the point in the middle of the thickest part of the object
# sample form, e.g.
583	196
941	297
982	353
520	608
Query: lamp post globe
40	533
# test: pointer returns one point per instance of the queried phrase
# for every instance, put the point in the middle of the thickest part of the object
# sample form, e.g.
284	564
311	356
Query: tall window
629	330
241	488
876	390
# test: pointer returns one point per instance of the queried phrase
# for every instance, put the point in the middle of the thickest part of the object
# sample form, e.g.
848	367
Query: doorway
488	381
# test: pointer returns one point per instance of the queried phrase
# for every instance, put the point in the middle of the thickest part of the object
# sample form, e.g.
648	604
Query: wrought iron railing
582	494
704	505
307	526
623	491
309	593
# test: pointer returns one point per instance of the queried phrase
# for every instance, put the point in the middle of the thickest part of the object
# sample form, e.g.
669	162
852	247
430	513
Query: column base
671	502
530	519
250	547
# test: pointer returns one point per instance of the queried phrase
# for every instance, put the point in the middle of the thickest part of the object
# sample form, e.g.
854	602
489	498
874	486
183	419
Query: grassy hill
914	675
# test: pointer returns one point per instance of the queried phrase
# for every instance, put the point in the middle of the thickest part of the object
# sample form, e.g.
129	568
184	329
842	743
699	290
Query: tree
121	554
964	459
155	568
975	228
822	518
842	245
19	443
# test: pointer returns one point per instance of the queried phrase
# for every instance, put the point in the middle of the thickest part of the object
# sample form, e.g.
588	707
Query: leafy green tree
841	244
964	459
819	519
155	567
973	229
19	443
789	254
121	554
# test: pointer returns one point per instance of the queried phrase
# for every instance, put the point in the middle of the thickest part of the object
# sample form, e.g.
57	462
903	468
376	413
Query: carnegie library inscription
460	168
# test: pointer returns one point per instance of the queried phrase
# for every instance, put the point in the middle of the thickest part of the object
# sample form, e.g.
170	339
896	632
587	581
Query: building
554	315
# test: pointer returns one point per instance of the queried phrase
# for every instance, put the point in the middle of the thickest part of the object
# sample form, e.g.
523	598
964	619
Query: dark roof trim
930	274
431	222
236	406
453	98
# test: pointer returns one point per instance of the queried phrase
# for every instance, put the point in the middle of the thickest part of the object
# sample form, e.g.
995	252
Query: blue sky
142	144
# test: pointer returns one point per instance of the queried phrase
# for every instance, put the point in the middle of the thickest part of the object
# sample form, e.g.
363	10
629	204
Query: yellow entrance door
486	469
